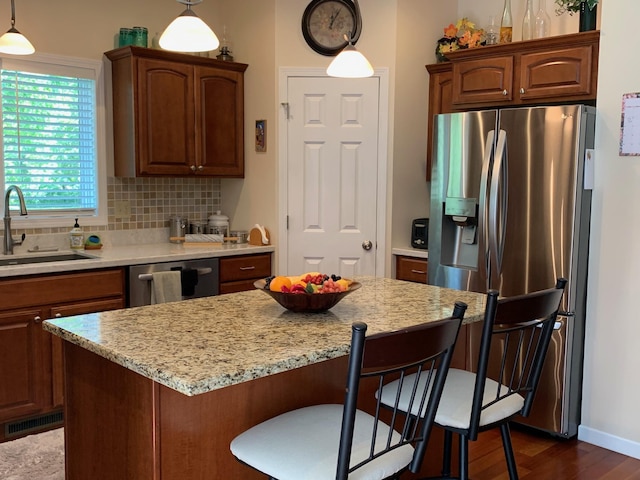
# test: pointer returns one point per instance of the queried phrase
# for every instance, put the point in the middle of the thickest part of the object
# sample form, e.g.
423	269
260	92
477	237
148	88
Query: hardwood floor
541	457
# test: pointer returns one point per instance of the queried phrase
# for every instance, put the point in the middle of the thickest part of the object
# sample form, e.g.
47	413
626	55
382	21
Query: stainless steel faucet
9	241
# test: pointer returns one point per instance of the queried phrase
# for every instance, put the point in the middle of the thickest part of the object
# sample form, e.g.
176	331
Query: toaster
420	233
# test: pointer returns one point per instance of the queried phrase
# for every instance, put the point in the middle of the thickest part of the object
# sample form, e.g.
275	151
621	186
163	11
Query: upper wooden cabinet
561	68
176	114
558	69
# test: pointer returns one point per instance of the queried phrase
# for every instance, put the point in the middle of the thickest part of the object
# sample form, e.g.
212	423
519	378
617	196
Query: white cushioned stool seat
455	405
308	438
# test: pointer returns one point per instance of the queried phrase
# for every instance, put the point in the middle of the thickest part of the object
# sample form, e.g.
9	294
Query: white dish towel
166	287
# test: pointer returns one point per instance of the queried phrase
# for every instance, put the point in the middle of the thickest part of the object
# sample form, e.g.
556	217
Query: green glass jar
140	35
126	37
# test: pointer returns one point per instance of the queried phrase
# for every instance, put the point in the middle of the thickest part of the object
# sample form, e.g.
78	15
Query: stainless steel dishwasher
200	278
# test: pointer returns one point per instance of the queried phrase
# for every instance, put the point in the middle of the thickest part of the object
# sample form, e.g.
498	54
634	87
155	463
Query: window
52	137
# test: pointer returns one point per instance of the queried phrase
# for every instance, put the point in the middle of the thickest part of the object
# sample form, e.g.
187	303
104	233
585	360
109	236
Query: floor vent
33	424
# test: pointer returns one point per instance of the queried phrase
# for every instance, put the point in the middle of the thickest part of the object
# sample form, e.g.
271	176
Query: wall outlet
123	209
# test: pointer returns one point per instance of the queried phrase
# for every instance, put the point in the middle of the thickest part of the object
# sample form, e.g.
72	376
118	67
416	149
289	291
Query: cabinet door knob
522	90
505	93
200	168
37	319
193	168
58	315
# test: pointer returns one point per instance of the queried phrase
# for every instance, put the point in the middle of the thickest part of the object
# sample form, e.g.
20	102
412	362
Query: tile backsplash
136	203
147	203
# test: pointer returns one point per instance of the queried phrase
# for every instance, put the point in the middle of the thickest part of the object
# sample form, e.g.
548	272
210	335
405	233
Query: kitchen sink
58	257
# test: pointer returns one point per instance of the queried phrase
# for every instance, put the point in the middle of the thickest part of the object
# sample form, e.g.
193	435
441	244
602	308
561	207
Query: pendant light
13	42
350	63
188	33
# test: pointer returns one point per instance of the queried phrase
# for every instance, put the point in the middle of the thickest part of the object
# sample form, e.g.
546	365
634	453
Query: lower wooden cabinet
31	376
238	273
412	269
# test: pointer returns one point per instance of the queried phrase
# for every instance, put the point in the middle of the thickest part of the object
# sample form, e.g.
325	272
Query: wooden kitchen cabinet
237	273
176	114
558	69
561	68
440	101
31	367
412	269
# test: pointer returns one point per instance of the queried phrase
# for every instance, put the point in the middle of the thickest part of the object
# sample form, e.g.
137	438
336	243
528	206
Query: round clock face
326	22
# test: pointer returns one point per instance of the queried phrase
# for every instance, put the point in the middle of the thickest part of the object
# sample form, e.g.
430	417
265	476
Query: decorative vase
506	26
588	17
528	21
542	22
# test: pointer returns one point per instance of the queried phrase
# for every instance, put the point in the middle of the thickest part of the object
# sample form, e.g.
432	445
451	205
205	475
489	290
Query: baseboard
610	442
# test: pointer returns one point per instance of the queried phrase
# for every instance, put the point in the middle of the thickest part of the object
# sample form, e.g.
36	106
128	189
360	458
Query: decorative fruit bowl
306	302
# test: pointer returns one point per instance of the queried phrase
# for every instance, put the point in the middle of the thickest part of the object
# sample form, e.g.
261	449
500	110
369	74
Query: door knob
366	245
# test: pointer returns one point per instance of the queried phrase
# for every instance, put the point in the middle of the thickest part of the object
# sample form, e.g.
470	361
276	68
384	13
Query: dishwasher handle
147	277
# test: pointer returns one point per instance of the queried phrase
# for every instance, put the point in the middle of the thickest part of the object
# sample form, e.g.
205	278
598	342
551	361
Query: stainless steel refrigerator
510	211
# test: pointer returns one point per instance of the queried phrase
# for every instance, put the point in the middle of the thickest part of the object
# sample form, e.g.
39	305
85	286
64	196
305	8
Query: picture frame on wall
261	136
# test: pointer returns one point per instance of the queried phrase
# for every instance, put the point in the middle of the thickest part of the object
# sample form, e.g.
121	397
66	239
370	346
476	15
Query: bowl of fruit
311	292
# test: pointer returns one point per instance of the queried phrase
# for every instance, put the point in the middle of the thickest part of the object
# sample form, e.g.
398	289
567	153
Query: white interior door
332	175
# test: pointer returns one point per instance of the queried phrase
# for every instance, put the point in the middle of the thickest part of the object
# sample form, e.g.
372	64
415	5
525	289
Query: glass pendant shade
350	63
188	33
13	42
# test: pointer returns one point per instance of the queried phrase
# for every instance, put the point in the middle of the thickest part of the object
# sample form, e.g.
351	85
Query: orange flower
464	39
476	39
451	31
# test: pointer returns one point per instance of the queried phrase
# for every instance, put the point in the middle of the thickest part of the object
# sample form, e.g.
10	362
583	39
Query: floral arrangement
463	34
573	6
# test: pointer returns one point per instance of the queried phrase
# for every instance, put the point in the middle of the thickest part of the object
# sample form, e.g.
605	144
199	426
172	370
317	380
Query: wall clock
325	22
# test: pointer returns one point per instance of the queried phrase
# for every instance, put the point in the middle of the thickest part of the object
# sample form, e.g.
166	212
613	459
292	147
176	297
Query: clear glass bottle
506	26
542	22
492	32
528	21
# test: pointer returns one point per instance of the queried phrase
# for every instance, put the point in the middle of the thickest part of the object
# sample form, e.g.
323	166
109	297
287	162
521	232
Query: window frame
64	65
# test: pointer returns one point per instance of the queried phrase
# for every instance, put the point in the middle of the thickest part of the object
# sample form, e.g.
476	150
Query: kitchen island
158	392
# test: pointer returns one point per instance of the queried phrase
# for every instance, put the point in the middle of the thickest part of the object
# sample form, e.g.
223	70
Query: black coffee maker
420	233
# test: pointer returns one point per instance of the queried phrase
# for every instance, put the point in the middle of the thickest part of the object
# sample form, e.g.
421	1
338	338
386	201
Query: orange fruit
278	282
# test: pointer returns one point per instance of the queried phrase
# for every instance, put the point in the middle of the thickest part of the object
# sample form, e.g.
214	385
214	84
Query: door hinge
285	105
287	222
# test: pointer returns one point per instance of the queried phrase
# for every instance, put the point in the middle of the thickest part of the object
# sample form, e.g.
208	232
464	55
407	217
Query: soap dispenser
76	237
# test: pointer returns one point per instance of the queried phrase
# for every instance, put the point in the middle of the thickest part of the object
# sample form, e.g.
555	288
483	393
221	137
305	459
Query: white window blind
49	140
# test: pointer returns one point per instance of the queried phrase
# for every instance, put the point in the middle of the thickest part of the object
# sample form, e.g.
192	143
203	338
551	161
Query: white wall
612	358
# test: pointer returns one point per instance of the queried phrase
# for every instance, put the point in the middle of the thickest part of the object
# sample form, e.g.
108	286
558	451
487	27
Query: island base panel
109	425
121	425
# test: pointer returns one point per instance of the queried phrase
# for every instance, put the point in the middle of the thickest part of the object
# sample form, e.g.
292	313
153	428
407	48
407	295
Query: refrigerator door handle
497	209
483	213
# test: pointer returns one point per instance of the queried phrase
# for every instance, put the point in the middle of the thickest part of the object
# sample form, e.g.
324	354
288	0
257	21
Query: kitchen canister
219	224
177	229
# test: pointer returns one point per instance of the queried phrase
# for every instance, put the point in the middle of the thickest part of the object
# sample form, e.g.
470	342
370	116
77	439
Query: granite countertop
117	256
196	346
410	252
